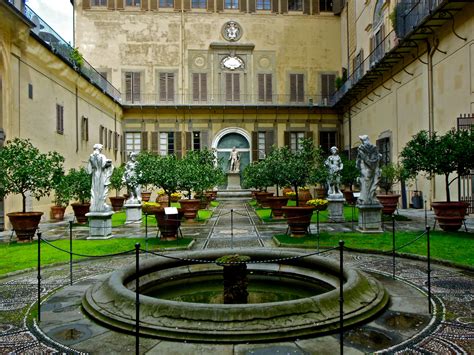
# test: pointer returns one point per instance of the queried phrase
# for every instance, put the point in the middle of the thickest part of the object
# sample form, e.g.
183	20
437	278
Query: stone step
234	194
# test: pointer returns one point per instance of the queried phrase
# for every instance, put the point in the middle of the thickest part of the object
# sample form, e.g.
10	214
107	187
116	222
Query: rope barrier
85	255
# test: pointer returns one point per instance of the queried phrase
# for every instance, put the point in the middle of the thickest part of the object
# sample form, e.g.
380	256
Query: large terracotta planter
146	196
117	202
389	203
213	194
262	197
303	197
450	215
320	192
276	203
25	224
168	224
80	211
349	197
57	212
286	190
298	219
162	200
190	208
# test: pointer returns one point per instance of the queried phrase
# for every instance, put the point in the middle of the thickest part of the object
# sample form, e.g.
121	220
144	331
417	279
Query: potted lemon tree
80	183
24	169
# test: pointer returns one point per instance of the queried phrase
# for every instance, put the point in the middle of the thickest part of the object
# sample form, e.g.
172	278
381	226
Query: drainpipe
431	51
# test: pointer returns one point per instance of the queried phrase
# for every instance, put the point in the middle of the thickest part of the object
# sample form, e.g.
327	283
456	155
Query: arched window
378	14
377	45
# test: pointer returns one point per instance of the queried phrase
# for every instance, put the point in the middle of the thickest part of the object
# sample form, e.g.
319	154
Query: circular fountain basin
312	307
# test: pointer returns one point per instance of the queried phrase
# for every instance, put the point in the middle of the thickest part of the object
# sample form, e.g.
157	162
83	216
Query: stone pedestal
133	211
336	208
233	181
370	218
100	225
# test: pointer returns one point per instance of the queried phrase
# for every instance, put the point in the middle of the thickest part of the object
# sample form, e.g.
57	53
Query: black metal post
341	295
317	226
39	276
146	231
232	228
393	246
137	298
70	252
426	215
352	217
429	267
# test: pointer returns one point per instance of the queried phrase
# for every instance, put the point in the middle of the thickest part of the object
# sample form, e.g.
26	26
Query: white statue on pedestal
334	165
234	159
130	178
101	170
368	163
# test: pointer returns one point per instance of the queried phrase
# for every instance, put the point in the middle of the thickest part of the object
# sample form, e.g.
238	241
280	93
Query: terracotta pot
168	224
276	203
117	202
261	197
320	192
175	198
389	203
57	212
450	215
303	196
147	209
213	194
349	197
190	208
80	211
162	200
146	196
25	224
298	219
286	190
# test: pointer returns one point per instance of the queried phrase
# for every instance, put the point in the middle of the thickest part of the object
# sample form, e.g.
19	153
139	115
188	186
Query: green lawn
265	214
456	247
19	256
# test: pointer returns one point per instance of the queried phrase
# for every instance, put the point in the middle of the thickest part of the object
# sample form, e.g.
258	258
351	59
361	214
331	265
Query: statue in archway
234	159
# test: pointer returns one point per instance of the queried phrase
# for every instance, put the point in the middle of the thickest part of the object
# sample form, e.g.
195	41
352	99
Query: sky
57	14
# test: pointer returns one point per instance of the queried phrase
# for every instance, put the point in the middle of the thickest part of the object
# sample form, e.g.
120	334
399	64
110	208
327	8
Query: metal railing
64	50
219	99
412	12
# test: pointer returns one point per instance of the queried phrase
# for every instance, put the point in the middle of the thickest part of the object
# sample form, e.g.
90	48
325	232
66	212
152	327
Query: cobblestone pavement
235	225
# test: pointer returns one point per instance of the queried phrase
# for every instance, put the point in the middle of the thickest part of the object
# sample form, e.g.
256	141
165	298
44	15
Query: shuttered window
295	5
59	119
265	93
327	139
167	3
296	139
166	143
232	87
199	87
264	5
133	142
327	86
383	145
85	128
167	87
132	87
296	87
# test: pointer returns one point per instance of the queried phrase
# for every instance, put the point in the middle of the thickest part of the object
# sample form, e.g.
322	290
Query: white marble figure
334	165
101	170
368	163
130	178
234	159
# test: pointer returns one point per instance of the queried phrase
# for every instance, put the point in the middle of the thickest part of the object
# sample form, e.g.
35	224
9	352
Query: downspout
77	118
182	51
350	131
431	51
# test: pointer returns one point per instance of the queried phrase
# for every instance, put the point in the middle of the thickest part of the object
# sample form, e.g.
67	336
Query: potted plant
318	177
117	183
390	174
442	155
62	195
24	169
145	169
80	183
318	204
272	164
349	178
256	176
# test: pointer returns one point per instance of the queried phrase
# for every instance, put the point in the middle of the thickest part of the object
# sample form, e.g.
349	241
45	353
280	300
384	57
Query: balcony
44	33
221	100
417	20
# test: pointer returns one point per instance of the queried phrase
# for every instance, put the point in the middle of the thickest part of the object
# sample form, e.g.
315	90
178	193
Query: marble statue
101	169
234	159
368	163
334	166
130	178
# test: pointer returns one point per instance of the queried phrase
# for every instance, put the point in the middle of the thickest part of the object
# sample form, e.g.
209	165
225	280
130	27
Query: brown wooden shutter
300	87
154	142
195	87
268	142
111	4
315	5
286	138
284	6
120	5
136	86
178	150
308	135
275	6
162	86
220	5
170	87
187	5
204	87
261	87
306	7
292	87
177	5
243	5
188	141
128	87
252	5
144	141
86	4
210	5
254	146
236	86
228	86
144	5
101	134
153	4
269	88
204	139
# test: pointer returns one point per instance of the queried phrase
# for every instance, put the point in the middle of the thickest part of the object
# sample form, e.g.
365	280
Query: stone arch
224	152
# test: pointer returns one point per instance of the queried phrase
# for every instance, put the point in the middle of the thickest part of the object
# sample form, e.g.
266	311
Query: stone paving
234	225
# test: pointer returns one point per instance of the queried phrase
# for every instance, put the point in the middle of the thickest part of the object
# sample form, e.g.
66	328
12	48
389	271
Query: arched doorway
228	138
